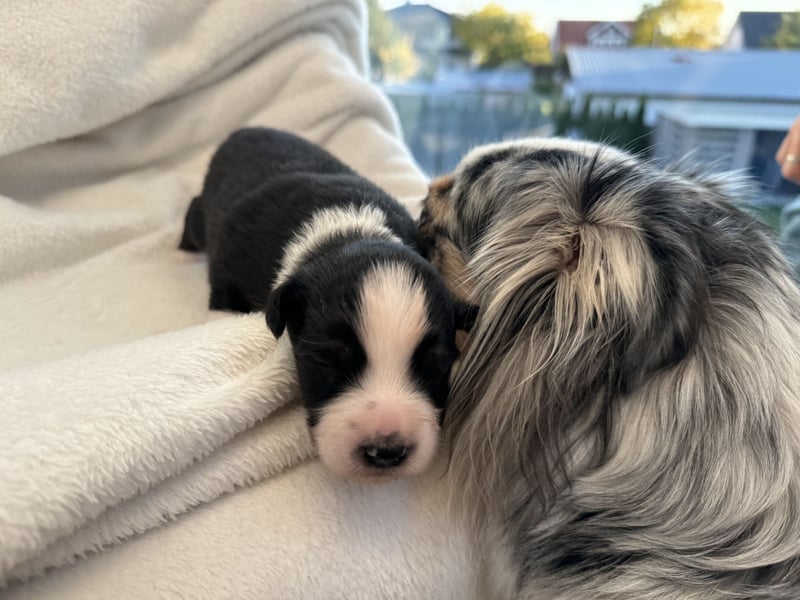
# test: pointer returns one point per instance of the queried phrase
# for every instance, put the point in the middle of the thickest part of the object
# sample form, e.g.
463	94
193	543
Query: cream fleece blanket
148	447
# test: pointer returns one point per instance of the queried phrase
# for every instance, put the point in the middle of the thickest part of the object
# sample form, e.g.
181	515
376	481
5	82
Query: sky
547	12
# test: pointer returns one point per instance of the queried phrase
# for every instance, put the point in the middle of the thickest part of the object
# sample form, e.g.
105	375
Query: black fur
262	187
328	351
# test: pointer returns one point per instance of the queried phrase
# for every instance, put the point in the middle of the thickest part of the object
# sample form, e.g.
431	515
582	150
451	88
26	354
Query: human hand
788	155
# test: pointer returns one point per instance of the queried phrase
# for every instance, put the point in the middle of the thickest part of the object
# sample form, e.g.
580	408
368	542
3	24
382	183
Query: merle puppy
625	417
332	259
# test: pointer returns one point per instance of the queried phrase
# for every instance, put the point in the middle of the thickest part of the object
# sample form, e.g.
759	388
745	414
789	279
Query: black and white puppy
335	261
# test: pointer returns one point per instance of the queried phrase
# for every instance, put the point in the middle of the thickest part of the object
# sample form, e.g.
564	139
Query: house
595	34
667	76
730	108
432	38
753	30
728	136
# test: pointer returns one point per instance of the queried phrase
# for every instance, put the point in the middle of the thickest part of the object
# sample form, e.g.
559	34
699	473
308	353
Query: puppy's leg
194	228
228	297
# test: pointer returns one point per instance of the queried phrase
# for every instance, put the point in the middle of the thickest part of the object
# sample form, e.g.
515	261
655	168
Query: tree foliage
788	34
390	52
679	24
495	36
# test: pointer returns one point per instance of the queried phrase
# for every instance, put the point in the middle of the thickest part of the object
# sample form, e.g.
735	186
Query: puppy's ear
465	315
286	307
435	207
434	212
441	186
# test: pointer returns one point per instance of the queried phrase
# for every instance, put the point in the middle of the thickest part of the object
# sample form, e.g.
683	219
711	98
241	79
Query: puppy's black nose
386	453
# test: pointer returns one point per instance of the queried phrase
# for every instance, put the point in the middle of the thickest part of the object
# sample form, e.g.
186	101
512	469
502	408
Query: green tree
389	51
495	36
788	34
679	24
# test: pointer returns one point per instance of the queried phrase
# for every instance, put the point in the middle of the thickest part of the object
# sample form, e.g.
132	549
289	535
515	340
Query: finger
790	143
791	171
783	150
795	128
790	158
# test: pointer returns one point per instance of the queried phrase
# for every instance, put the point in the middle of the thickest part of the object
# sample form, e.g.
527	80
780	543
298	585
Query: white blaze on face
385	402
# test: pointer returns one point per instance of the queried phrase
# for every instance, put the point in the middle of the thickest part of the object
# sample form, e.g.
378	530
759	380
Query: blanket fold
73	67
125	432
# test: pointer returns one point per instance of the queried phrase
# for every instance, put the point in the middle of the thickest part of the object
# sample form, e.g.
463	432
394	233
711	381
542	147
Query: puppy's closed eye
434	353
340	348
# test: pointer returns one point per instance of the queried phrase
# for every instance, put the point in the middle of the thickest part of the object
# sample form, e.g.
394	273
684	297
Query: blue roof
763	75
404	10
